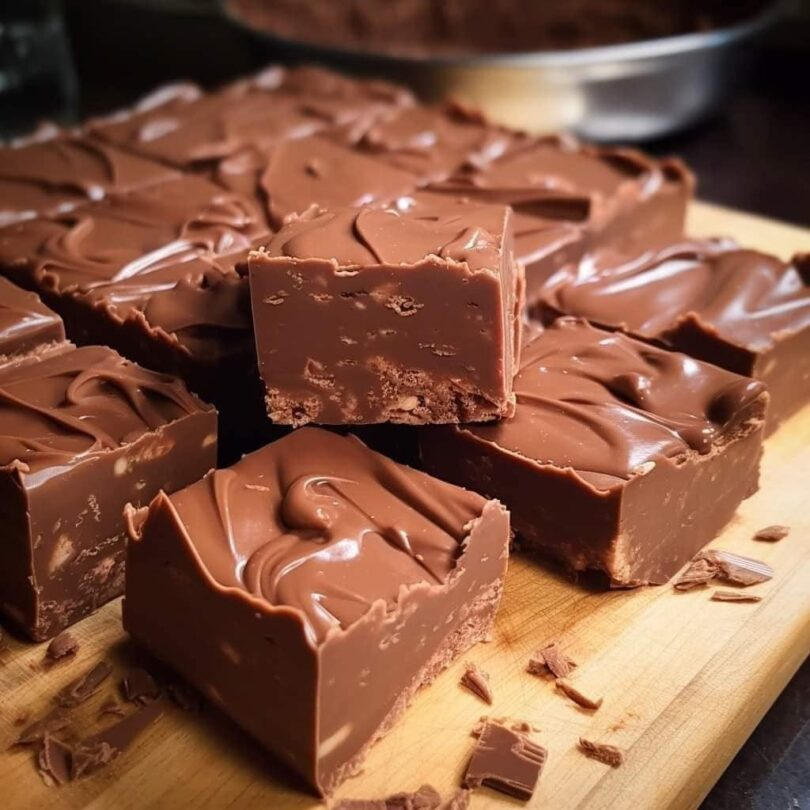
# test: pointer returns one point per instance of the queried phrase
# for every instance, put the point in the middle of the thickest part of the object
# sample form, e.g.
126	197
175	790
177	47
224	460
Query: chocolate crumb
21	719
140	687
53	761
569	690
477	681
516	725
55	720
63	646
734	596
772	534
426	798
460	800
738	570
603	752
83	688
550	659
700	572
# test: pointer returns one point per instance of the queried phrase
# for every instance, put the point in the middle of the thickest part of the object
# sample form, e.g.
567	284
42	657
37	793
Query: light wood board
684	680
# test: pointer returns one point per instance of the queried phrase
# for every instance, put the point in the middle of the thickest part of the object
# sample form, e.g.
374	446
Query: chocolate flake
738	570
772	534
477	681
700	572
111	706
63	646
55	720
140	687
83	688
53	761
426	798
506	761
550	659
734	596
603	752
569	690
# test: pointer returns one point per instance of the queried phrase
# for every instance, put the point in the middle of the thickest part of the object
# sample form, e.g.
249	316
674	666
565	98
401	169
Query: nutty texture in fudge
332	584
567	196
27	326
378	315
54	175
621	457
81	434
740	309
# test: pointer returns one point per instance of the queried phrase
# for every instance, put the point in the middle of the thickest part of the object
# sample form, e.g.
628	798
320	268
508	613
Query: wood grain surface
684	679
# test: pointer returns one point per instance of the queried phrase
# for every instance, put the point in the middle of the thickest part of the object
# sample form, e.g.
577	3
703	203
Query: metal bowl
631	92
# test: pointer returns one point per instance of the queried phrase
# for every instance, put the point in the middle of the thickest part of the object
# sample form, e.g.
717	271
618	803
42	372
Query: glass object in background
37	79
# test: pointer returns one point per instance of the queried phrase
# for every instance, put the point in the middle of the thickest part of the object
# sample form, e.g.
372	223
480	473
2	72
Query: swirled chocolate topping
25	322
317	523
61	410
746	297
126	236
54	175
605	405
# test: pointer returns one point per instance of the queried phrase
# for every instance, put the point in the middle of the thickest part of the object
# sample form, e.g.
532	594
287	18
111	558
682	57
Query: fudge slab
27	326
332	584
740	309
81	434
49	176
378	315
621	457
570	197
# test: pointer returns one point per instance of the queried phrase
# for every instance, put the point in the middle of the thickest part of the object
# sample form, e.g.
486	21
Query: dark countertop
754	156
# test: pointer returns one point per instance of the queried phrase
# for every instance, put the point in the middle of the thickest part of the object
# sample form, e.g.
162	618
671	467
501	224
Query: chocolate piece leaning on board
742	310
621	457
376	315
568	197
28	329
342	579
81	434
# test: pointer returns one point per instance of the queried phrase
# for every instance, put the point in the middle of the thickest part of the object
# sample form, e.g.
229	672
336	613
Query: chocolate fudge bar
740	309
570	197
621	457
27	327
332	584
81	434
44	177
376	315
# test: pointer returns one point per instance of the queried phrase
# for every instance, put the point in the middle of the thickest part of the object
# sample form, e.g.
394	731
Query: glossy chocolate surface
26	324
417	316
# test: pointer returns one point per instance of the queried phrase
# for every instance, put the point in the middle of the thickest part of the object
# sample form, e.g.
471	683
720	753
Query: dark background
753	156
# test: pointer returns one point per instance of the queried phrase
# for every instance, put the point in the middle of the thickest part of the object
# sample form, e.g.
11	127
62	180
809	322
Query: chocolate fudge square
579	195
622	457
740	309
376	315
81	434
27	327
49	176
332	584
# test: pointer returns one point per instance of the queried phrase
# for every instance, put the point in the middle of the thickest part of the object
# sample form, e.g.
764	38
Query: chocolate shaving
569	690
772	534
53	761
54	720
477	681
734	596
83	688
699	573
140	687
111	706
426	798
550	659
738	570
603	752
507	761
64	645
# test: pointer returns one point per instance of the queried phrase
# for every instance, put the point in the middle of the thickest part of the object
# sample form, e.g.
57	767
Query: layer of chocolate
81	434
570	196
27	326
621	456
332	584
54	175
740	309
417	316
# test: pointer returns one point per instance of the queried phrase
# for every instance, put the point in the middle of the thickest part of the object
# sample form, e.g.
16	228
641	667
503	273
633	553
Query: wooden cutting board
684	680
